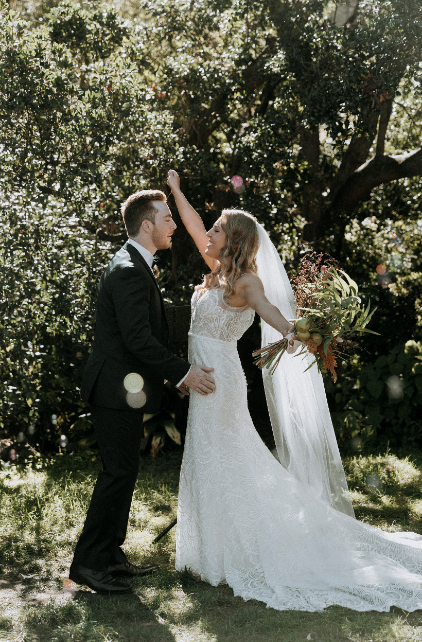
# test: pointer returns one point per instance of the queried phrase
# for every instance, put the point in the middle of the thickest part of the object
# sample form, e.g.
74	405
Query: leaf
418	382
353	284
374	415
326	344
312	364
375	387
157	442
172	432
381	362
344	286
368	317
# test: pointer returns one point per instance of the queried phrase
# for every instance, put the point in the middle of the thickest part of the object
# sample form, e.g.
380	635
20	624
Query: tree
318	117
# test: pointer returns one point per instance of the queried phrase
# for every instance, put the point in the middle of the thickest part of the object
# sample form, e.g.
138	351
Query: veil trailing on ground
297	404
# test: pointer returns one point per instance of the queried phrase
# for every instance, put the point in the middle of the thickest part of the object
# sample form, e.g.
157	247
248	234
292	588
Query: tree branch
378	170
311	199
386	111
210	119
278	11
267	94
356	153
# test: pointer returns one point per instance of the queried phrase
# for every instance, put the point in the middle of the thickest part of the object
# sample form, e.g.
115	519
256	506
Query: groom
123	379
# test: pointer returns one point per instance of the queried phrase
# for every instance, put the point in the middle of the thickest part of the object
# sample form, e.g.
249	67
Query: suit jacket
131	335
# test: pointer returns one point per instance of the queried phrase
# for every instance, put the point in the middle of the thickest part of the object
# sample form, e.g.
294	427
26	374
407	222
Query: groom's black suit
131	336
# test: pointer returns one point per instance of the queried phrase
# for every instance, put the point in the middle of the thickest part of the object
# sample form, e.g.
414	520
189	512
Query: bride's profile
277	530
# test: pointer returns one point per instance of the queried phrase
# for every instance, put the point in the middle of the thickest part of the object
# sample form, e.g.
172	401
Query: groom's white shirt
146	254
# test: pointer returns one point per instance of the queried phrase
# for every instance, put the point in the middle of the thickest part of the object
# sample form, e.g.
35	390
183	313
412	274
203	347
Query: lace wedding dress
244	520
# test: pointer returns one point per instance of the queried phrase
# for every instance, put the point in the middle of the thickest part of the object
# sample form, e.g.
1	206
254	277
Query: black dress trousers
119	434
131	336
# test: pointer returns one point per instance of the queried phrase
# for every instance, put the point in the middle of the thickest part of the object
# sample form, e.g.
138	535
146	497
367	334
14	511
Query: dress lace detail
212	317
244	520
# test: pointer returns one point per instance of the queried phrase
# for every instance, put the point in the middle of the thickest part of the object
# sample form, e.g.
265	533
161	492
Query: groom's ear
146	226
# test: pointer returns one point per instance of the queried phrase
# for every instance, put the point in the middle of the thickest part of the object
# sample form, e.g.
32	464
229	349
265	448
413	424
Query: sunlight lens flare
395	387
356	444
373	482
136	399
238	184
133	382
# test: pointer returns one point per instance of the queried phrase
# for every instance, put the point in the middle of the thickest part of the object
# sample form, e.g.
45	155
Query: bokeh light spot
31	429
356	444
381	269
63	441
373	482
12	454
133	382
395	387
21	437
136	399
236	181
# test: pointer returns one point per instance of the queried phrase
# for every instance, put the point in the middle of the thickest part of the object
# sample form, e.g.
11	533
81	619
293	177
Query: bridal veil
297	404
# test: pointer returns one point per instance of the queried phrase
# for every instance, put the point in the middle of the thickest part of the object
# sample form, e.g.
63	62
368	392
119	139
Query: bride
280	531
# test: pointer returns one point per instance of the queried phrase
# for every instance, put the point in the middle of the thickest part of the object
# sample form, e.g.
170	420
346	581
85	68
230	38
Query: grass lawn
42	512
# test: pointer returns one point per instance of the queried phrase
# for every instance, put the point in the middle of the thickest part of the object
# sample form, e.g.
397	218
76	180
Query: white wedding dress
244	520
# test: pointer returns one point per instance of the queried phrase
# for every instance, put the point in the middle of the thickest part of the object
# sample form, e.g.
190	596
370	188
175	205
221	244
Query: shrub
380	402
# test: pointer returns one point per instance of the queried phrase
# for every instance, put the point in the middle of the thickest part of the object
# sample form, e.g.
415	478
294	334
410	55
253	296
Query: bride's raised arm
191	219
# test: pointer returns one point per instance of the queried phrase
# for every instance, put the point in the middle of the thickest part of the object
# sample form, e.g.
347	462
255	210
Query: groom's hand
198	379
183	389
173	180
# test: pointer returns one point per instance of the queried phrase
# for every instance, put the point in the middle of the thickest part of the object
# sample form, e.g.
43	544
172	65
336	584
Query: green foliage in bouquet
338	311
334	313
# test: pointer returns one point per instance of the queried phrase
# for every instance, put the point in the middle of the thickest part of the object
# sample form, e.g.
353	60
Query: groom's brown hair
139	207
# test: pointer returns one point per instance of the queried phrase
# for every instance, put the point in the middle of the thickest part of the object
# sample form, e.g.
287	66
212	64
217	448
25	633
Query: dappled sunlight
395	502
194	633
44	511
391	469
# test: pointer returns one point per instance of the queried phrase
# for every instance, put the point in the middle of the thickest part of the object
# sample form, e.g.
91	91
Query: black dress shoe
99	581
131	570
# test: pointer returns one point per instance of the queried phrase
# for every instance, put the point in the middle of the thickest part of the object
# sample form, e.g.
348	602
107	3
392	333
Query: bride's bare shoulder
248	280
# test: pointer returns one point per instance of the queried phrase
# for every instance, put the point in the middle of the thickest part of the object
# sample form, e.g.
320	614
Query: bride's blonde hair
239	253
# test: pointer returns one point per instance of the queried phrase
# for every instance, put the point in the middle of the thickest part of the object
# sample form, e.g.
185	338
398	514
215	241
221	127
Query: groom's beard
163	245
161	241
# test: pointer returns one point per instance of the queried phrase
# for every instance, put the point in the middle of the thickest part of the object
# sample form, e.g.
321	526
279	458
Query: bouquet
332	314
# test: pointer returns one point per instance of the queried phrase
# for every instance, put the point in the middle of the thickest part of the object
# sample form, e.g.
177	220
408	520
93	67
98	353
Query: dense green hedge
91	110
380	403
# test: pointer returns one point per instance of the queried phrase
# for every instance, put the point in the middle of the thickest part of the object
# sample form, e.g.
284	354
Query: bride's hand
173	180
294	343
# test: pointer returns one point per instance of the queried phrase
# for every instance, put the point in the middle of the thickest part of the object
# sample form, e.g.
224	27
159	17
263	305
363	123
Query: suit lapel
138	258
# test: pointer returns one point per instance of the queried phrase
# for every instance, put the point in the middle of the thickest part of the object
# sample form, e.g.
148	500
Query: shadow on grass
230	619
89	617
37	540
